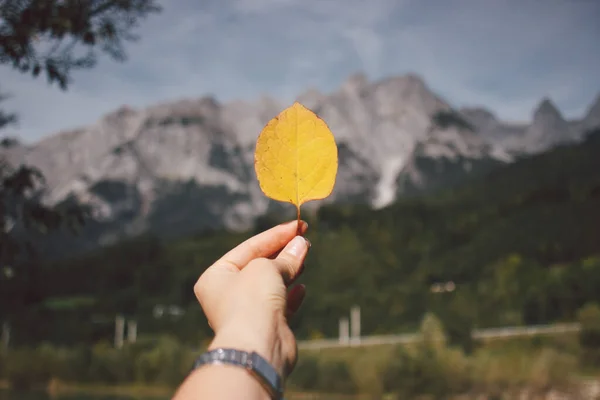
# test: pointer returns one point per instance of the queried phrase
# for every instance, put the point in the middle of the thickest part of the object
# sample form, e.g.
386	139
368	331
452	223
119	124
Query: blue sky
503	54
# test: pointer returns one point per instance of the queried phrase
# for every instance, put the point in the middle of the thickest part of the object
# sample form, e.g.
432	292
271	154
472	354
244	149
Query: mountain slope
188	165
520	246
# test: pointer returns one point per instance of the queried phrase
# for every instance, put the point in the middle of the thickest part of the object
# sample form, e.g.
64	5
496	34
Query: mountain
187	165
591	120
520	246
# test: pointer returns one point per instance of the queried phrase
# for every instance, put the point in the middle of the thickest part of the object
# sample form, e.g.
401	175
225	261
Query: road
492	333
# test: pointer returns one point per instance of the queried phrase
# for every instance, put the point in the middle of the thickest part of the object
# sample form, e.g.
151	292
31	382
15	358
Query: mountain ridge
388	148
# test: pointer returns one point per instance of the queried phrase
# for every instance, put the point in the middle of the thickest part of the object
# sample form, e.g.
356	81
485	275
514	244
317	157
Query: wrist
251	336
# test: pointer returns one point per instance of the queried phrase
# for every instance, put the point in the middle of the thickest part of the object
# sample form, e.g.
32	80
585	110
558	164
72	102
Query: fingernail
297	247
305	225
308	243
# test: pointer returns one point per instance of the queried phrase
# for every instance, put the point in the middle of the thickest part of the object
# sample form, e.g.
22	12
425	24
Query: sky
505	55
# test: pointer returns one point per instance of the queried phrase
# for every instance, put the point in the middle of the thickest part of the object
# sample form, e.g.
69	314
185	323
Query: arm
232	382
245	299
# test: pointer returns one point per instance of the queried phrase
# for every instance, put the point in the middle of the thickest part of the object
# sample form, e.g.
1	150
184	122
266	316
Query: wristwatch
253	362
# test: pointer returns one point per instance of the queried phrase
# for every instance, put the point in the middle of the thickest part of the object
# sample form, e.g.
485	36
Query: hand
245	299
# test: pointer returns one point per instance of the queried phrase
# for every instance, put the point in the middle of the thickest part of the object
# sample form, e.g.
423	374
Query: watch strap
253	362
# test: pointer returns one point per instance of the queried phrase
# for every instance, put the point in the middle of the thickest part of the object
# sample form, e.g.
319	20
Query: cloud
505	55
259	6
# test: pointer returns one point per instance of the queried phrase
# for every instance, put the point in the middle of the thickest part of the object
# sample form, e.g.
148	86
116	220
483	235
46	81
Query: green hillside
520	245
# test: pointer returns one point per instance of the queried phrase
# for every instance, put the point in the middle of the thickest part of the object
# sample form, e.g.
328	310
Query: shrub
430	368
589	335
551	369
29	368
460	333
399	374
110	365
77	369
335	377
165	363
306	373
2	363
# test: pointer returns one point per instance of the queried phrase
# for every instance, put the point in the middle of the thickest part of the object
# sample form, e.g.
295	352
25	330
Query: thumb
290	259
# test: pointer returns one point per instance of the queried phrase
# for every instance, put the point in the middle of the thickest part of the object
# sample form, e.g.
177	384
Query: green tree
56	37
53	38
589	335
430	368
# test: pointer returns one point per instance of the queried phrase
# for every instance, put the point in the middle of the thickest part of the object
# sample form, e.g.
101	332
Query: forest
518	246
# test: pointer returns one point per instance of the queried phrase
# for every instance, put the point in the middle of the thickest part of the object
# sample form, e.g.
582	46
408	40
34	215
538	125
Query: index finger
262	245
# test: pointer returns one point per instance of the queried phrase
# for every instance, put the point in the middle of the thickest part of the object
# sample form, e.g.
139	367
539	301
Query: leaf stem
298	219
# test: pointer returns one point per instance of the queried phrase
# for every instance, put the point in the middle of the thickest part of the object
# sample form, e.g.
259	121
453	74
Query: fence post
119	331
355	324
344	331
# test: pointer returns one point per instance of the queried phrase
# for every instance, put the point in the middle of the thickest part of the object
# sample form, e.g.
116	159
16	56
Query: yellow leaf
296	157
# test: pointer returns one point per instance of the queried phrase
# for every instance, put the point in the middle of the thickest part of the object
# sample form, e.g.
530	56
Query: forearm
221	382
217	381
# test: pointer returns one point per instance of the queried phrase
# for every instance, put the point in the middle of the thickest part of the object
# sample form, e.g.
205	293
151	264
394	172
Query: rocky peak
355	84
198	153
411	93
591	119
408	79
204	106
246	118
123	111
546	110
311	99
481	118
547	129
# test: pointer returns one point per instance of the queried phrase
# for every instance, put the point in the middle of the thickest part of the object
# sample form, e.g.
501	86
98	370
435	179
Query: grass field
359	372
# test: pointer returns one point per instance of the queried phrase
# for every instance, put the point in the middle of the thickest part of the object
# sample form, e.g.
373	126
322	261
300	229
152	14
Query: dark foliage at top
55	38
